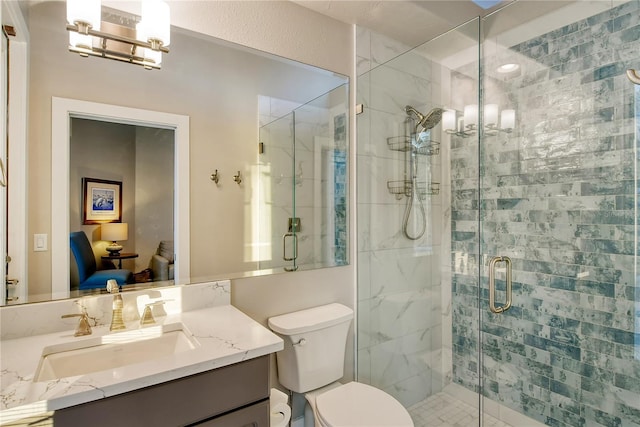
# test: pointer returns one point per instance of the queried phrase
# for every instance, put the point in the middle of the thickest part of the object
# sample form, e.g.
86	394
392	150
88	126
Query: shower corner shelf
403	143
404	188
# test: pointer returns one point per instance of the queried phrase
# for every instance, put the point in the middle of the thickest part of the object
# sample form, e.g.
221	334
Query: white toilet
313	360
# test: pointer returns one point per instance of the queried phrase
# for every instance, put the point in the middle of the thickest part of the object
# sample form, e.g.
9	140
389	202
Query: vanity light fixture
454	125
466	125
142	44
507	120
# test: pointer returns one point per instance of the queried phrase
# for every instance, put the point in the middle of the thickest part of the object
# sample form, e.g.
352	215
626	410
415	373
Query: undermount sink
112	351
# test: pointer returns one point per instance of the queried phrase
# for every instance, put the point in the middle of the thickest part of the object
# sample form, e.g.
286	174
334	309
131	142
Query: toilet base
310	407
354	404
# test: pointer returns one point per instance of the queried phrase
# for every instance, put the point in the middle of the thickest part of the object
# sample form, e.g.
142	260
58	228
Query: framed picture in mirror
102	201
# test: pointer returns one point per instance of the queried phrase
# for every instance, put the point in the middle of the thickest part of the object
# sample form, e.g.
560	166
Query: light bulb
156	21
84	11
80	41
508	119
491	115
153	56
449	120
471	116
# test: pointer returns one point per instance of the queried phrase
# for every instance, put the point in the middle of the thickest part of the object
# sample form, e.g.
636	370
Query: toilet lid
357	404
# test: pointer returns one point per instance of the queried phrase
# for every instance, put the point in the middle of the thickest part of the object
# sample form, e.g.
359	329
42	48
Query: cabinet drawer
252	416
180	402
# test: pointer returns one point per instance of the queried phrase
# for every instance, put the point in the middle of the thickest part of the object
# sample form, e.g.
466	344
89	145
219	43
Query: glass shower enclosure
520	303
301	199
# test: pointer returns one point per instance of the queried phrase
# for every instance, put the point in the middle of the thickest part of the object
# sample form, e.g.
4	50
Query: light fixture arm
454	125
83	28
101	51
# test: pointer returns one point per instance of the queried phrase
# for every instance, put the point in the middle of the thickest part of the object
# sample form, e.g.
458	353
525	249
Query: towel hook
237	178
215	177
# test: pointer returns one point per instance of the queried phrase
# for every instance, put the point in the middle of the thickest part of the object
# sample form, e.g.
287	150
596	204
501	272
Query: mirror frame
17	235
62	111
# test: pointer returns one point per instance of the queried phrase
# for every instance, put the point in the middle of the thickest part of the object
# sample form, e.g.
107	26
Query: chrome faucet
83	328
116	316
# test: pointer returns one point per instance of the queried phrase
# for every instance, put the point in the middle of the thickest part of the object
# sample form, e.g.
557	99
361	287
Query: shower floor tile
444	410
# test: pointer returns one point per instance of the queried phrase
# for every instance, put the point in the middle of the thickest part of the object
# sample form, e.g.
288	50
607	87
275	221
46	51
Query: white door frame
62	110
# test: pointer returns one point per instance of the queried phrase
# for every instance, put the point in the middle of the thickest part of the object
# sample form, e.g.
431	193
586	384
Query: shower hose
409	204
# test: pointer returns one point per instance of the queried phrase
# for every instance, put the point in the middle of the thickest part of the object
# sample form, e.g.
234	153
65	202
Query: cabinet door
252	416
184	401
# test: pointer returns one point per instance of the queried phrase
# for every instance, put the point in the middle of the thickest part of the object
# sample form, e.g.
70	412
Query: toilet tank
314	346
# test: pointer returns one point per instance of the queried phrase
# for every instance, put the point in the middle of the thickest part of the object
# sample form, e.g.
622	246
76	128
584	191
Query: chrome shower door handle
492	284
284	247
295	250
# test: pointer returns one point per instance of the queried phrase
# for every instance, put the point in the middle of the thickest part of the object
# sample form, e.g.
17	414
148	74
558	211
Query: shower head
427	121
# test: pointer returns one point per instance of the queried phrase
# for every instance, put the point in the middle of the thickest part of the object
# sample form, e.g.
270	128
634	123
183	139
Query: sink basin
113	351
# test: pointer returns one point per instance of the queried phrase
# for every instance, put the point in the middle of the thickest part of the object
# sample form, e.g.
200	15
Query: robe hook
237	178
215	177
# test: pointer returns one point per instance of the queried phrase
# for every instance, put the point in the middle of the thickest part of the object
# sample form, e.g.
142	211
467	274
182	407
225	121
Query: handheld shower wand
426	121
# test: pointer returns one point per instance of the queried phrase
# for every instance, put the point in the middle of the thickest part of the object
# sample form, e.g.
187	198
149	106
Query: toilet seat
357	404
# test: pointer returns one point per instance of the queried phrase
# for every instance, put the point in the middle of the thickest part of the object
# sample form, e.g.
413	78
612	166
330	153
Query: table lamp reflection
115	232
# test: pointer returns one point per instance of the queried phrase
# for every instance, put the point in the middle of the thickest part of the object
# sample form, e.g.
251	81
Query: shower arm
418	115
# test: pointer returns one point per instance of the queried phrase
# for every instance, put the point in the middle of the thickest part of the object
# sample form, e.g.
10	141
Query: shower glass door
276	194
418	321
301	205
558	215
320	181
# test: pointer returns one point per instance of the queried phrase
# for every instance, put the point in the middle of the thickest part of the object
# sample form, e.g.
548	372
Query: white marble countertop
225	336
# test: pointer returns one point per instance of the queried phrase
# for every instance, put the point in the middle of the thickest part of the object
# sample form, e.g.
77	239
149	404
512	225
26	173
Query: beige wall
267	296
278	27
215	88
154	192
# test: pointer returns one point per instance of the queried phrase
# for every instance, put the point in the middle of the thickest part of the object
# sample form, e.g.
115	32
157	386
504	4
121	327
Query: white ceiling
414	22
409	21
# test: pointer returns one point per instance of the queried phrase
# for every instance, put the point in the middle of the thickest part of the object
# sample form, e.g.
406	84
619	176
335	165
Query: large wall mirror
271	131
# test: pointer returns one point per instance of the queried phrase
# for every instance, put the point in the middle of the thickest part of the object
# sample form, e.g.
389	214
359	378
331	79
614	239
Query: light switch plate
40	242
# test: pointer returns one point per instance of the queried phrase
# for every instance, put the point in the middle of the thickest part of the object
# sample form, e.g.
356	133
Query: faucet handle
112	286
147	314
83	328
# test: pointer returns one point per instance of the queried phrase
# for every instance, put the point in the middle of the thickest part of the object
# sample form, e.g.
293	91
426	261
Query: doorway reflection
142	159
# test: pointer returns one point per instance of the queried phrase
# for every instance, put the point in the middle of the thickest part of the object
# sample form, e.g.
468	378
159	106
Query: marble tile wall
558	197
399	293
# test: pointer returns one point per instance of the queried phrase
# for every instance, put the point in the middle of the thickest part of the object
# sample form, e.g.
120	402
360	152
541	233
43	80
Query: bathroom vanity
235	395
202	363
